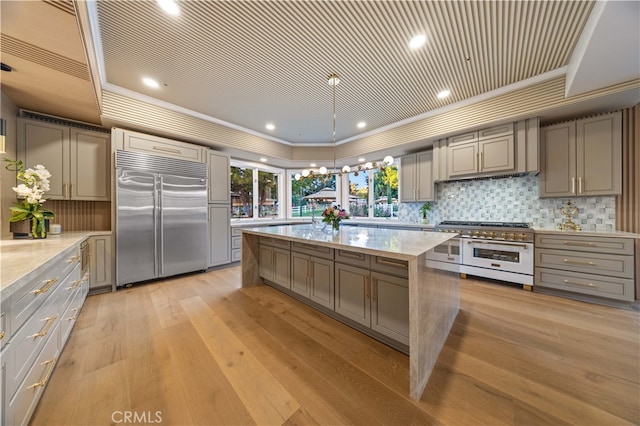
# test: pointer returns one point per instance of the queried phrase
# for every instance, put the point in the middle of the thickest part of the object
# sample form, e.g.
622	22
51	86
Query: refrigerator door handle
159	224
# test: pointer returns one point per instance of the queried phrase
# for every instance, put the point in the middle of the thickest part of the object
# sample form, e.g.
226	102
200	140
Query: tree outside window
268	194
359	194
241	192
311	196
385	189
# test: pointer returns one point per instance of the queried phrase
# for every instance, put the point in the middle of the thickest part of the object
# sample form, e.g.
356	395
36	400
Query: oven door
498	255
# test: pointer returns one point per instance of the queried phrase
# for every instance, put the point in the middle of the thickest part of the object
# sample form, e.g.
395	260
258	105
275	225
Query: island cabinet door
352	293
300	268
321	285
390	306
266	267
282	267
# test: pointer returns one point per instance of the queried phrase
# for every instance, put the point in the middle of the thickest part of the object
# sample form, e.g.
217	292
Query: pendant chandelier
333	80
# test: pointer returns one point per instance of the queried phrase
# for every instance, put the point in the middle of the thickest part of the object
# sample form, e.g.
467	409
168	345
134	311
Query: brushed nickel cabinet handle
573	185
577	262
161	148
580	185
580	284
44	381
392	263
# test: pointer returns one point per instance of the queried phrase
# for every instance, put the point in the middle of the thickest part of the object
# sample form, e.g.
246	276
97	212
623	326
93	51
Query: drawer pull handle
44	381
47	285
580	284
46	328
1	335
577	262
392	263
308	246
578	243
71	319
75	285
160	148
351	255
374	282
73	259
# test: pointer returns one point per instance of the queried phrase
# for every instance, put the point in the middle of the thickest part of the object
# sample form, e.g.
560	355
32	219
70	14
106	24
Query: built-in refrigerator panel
136	226
184	224
161	217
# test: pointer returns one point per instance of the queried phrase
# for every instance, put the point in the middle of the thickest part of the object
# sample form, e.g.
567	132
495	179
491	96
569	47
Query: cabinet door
557	155
266	262
408	178
100	262
219	181
90	172
321	286
162	147
300	267
219	235
424	176
282	267
390	306
497	155
46	144
599	155
463	159
352	287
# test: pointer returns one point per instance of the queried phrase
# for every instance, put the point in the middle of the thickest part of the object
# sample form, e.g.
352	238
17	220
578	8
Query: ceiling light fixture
270	126
443	94
333	80
361	124
150	82
417	41
169	6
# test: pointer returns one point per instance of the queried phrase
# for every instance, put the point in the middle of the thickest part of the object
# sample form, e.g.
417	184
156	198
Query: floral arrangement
334	216
35	182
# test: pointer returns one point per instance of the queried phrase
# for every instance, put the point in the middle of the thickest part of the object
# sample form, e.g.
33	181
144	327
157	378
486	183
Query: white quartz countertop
385	223
592	233
21	258
399	244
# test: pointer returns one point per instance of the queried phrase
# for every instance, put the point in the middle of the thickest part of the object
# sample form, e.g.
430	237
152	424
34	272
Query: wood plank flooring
199	349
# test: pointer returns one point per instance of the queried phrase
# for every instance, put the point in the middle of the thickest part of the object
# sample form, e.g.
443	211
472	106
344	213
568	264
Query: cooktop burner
485	224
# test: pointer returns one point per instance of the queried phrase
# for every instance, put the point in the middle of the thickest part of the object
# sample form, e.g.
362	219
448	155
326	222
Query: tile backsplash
513	199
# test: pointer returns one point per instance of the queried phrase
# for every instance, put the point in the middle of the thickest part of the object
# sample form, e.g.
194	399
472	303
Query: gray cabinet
582	157
219	235
485	152
219	179
78	159
275	261
100	263
416	177
586	265
128	140
313	277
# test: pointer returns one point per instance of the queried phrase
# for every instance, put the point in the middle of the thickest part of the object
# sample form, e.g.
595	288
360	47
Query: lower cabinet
42	313
312	277
219	233
100	264
274	265
373	299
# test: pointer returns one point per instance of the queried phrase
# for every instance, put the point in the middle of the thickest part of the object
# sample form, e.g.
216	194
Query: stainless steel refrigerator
161	219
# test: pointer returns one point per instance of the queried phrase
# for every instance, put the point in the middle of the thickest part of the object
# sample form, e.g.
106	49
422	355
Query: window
385	190
255	191
359	194
311	196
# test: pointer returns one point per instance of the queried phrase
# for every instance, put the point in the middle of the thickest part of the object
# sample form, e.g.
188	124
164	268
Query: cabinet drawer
236	232
163	147
353	258
21	405
318	251
275	242
399	268
70	316
595	263
595	285
236	242
236	255
609	245
71	285
496	131
27	343
462	139
5	327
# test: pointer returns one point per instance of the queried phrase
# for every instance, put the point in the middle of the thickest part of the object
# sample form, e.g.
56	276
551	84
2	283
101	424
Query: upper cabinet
582	157
219	180
78	159
487	151
155	145
416	177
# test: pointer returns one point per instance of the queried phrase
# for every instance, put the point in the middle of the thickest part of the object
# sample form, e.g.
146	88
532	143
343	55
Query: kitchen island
433	295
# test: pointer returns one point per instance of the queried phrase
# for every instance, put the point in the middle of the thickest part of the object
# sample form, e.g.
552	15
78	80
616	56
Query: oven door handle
498	243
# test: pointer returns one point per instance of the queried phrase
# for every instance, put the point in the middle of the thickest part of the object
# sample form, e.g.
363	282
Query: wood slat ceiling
250	62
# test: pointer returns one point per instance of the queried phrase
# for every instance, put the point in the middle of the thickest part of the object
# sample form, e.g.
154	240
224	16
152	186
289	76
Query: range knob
476	233
484	234
504	235
512	236
492	234
523	237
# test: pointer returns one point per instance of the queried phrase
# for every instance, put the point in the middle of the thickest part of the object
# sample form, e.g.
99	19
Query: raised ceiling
241	64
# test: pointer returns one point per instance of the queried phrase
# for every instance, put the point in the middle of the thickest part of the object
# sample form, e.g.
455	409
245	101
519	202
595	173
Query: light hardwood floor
199	349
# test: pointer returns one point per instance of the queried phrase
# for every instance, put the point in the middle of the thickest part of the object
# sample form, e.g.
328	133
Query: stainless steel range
497	250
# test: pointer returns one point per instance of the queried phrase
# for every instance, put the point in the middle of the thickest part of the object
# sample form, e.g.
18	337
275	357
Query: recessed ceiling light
169	6
361	124
264	160
270	126
360	160
417	41
150	82
312	165
443	94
